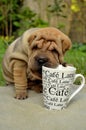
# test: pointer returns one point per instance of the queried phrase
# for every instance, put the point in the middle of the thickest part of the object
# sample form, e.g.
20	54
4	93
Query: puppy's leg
20	79
37	88
35	85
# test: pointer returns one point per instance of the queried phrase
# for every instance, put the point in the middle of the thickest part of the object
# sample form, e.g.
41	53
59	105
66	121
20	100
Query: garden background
69	16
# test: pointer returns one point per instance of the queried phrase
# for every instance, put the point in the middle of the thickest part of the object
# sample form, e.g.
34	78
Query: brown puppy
24	58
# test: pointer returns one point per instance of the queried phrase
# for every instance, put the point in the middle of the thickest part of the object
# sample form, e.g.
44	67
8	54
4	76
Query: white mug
58	84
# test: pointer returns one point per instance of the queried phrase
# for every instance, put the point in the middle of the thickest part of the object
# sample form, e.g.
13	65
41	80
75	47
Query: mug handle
80	87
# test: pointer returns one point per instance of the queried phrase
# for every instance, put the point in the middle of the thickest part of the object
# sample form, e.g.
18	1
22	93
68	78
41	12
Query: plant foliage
14	18
57	8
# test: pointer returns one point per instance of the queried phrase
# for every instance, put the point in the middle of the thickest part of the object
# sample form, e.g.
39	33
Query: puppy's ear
66	44
31	38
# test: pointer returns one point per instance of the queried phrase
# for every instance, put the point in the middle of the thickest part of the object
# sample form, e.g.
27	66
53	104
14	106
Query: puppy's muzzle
41	60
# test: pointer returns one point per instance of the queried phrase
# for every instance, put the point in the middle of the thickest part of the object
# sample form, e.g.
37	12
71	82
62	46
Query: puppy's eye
54	51
34	47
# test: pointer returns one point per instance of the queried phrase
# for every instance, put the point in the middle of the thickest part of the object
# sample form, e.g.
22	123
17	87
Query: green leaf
17	24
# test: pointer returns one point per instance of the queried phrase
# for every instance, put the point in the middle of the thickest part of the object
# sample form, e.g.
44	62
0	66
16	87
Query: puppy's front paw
21	95
37	88
65	64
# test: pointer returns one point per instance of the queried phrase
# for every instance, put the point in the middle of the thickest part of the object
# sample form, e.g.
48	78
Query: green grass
76	56
2	51
4	42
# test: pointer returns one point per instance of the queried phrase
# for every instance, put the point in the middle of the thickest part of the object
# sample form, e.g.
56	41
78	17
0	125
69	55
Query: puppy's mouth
37	72
38	62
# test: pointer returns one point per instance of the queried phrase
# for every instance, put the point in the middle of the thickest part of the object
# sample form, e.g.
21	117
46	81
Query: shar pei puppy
24	58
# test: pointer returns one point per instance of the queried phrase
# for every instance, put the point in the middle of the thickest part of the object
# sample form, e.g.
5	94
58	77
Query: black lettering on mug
61	92
52	90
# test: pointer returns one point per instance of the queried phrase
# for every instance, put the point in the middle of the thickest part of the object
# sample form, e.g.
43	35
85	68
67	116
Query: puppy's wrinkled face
46	48
42	53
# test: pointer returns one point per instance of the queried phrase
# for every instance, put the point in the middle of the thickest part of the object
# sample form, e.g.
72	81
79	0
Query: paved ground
30	114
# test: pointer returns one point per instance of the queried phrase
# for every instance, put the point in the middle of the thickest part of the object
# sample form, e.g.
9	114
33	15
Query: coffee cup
58	84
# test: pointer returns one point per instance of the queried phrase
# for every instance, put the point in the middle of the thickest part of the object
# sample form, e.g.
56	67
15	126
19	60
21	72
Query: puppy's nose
41	60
